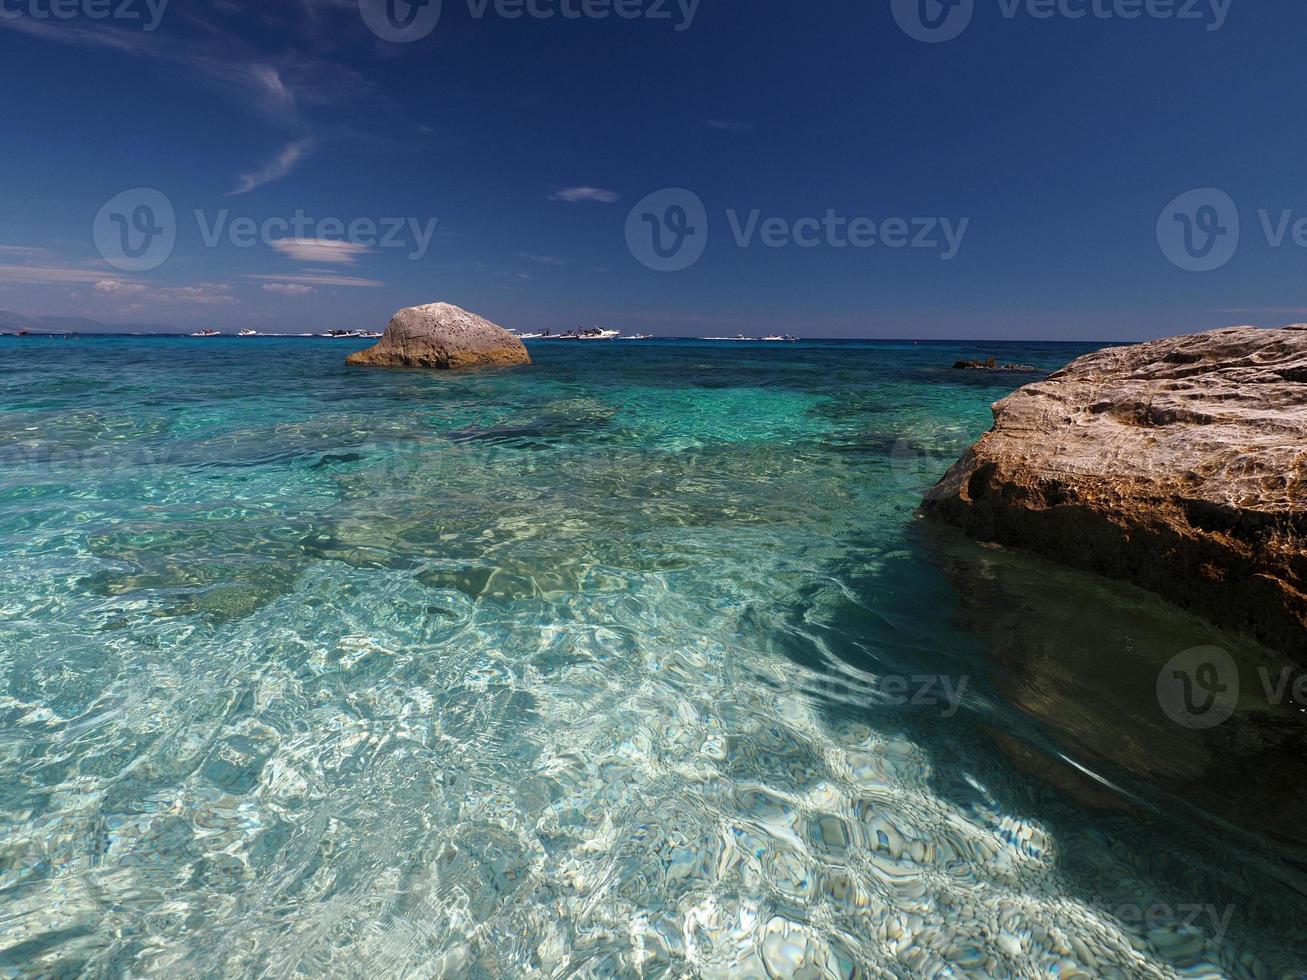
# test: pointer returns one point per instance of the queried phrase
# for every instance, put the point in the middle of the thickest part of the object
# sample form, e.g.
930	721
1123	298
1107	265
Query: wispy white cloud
276	168
327	250
23	251
319	279
138	296
118	287
285	87
542	259
276	95
45	274
574	195
728	125
287	288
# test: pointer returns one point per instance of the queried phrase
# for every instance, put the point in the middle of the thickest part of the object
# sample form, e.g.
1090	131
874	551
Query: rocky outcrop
442	336
1179	465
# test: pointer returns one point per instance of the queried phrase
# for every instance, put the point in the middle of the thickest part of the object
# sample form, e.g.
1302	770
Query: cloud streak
283	87
50	275
276	168
575	195
728	126
140	297
329	250
319	279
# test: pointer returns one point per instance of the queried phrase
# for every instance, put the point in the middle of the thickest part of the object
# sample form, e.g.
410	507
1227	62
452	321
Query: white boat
594	333
206	333
738	337
529	336
343	334
638	336
248	333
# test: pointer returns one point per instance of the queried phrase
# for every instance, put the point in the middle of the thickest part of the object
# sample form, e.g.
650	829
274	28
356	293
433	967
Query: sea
635	662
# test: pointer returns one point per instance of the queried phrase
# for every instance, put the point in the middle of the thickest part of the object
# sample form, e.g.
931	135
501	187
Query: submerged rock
440	335
1179	465
990	364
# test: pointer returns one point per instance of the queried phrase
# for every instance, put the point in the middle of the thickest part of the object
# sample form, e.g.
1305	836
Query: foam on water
612	666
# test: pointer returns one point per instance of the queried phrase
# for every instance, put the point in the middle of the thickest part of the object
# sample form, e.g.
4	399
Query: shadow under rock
1060	723
1087	659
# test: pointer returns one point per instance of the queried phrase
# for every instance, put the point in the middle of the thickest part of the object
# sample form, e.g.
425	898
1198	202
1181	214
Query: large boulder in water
440	335
1179	465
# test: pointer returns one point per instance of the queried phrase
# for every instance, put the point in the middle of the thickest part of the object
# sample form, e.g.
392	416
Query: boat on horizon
206	333
589	333
248	333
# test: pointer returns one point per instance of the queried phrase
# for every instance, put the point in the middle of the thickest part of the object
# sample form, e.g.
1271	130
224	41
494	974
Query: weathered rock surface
440	335
1179	465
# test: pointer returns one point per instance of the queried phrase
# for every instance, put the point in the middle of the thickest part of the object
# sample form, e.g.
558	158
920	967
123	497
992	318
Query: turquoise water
630	663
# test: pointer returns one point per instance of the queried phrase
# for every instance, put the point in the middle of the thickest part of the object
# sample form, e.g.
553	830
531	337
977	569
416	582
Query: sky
986	169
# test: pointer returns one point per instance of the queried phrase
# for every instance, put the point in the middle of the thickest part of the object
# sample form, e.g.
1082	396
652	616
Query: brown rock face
442	336
1179	465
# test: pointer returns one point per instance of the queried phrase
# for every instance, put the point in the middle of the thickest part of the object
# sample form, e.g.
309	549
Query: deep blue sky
1061	141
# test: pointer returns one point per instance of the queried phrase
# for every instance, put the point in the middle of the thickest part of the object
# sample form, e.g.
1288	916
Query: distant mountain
13	322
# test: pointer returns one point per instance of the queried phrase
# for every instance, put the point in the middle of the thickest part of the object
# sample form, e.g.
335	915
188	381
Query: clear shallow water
630	663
